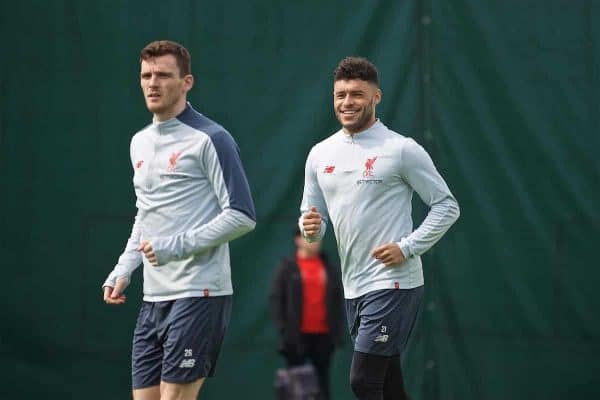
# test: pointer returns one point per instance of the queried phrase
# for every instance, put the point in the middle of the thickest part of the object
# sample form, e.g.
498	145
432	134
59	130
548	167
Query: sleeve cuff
405	248
315	238
161	250
112	278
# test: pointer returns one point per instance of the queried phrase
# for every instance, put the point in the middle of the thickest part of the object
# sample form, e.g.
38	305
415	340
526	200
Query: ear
377	96
188	83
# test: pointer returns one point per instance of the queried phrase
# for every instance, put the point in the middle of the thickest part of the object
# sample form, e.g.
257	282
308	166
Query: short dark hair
356	68
162	48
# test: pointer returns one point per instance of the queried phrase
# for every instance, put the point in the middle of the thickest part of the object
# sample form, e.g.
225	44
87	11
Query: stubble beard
164	106
363	121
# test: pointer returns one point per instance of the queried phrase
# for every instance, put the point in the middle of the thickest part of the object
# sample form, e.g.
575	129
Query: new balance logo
382	338
187	363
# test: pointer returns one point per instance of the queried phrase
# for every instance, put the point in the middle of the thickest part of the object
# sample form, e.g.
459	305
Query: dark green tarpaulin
503	94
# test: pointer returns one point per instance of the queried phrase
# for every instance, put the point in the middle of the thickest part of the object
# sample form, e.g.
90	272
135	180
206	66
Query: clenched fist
115	295
311	222
146	248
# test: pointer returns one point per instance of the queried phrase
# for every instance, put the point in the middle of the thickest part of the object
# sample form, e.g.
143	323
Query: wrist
404	247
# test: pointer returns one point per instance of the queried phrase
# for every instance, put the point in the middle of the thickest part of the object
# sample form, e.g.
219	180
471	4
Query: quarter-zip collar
362	135
168	126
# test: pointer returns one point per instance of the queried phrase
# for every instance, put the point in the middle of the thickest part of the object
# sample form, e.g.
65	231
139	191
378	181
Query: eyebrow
353	91
157	73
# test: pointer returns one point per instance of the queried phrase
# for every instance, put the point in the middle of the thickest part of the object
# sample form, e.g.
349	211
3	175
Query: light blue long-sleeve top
363	185
192	199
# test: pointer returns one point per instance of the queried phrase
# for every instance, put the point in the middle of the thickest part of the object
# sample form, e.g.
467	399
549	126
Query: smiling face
165	89
354	102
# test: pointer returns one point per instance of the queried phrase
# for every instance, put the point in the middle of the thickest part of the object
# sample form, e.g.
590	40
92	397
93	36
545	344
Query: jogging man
192	199
361	180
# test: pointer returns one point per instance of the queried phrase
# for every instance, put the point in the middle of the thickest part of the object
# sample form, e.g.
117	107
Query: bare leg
180	391
149	393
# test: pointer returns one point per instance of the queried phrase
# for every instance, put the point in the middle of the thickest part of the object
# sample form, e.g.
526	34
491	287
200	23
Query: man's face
354	103
162	84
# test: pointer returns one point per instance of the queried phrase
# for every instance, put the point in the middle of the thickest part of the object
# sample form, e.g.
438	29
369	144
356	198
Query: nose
153	81
347	100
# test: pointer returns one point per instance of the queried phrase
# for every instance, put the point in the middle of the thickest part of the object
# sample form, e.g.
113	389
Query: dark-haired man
192	199
361	180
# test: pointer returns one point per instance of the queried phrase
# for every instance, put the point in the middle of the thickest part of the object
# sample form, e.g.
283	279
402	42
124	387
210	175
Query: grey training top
363	185
192	199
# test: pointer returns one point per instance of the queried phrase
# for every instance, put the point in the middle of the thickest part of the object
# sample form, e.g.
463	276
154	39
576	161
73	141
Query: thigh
180	391
147	351
195	333
386	318
149	393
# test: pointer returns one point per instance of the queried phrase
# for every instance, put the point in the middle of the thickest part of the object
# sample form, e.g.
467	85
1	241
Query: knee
176	391
356	384
365	388
171	392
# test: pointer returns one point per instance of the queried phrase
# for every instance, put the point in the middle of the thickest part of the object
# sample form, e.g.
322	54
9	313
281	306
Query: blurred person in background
192	199
307	307
361	180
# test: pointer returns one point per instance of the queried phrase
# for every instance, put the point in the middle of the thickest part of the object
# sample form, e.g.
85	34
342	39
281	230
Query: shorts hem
376	353
145	386
184	381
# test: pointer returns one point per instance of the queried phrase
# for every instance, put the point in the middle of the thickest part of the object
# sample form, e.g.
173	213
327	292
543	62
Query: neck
171	113
362	129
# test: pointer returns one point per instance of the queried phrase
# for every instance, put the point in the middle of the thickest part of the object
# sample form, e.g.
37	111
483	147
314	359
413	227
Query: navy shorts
178	341
380	321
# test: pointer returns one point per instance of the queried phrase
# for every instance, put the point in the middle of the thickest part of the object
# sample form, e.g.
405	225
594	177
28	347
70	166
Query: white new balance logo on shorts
382	338
187	363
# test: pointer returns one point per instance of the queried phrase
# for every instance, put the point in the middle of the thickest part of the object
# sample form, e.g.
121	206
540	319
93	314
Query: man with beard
361	180
192	199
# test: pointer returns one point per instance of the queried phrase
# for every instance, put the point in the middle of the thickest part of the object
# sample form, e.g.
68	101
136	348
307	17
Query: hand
389	254
146	248
311	222
114	295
